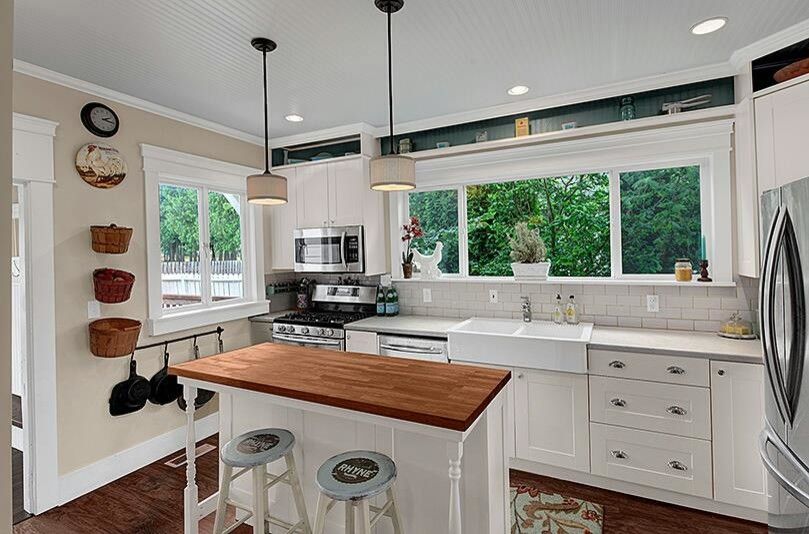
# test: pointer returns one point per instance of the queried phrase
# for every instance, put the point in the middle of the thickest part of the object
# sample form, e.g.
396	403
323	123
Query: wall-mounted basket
112	286
110	239
114	337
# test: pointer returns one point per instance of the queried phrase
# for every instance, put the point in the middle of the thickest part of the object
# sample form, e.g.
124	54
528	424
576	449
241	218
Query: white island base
448	481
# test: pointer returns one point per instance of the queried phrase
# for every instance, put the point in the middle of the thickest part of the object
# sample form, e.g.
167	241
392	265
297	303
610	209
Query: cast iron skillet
131	394
204	396
165	388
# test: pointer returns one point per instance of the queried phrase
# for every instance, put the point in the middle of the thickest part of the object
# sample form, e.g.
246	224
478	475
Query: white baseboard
84	480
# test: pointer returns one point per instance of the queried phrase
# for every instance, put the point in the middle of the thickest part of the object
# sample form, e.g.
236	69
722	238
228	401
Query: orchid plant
410	231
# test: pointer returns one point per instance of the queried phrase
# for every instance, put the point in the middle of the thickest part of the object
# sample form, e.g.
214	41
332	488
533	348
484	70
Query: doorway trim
33	170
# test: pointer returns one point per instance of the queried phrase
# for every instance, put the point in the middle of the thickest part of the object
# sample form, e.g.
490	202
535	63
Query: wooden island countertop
430	393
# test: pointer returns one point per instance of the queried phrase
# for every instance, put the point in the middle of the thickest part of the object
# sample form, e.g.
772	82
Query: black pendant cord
390	87
266	128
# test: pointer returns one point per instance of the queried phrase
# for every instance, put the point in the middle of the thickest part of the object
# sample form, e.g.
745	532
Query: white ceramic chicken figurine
428	263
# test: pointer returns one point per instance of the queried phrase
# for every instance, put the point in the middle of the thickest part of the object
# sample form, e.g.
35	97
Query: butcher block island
444	425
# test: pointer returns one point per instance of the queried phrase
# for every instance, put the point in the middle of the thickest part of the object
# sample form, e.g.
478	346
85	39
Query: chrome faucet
526	309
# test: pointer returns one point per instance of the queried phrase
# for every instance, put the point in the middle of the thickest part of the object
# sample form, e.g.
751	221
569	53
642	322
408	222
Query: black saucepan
131	394
165	388
204	396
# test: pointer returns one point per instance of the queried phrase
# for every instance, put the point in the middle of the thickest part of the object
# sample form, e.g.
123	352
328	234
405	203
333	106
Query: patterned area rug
534	512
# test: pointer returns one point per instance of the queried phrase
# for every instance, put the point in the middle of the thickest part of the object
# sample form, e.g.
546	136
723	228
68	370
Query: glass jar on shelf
683	270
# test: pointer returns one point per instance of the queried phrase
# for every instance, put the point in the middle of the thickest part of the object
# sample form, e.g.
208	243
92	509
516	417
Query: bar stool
355	477
252	451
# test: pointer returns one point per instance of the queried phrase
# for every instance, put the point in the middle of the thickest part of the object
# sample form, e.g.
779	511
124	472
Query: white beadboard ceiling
194	56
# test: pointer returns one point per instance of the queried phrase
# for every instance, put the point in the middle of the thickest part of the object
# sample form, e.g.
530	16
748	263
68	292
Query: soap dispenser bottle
571	313
558	315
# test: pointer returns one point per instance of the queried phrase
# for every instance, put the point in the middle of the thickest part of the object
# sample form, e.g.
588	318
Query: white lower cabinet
551	418
664	461
737	391
362	342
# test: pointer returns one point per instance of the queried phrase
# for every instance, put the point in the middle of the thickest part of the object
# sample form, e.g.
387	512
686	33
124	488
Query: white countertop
695	344
269	317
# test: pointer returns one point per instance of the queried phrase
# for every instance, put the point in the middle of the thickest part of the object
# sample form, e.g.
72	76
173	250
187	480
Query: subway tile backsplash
690	307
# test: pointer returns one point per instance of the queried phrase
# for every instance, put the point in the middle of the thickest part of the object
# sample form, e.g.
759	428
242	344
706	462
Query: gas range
334	307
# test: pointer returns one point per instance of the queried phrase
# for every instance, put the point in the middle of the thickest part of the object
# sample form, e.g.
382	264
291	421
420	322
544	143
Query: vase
407	270
531	271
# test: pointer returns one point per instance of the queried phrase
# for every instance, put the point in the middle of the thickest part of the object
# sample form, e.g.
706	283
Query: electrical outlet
493	296
426	295
652	303
93	309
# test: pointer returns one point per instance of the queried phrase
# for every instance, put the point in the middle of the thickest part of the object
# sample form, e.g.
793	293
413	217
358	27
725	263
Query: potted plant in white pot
528	254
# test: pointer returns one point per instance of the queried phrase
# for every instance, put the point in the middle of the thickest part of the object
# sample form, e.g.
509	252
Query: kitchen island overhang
436	420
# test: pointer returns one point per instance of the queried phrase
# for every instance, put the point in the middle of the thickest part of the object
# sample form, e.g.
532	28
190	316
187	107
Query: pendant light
393	172
266	188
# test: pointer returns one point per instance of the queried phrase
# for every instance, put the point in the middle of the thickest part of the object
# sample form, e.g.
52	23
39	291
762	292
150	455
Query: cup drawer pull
676	410
619	454
620	403
675	370
617	364
679	466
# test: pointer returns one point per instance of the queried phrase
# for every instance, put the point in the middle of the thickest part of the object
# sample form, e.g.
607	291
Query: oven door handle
414	350
308	340
343	250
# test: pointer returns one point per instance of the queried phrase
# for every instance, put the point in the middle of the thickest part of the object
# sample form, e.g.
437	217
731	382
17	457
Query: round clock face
99	119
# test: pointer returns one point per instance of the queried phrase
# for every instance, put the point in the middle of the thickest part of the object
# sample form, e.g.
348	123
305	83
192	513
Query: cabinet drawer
667	462
646	366
669	408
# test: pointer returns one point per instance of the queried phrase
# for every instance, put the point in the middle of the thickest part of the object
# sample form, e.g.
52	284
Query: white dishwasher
417	348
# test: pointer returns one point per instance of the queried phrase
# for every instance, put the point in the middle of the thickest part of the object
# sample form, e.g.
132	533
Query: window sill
176	322
569	281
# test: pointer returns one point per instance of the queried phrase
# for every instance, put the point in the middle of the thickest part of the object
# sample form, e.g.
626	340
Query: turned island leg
455	453
191	501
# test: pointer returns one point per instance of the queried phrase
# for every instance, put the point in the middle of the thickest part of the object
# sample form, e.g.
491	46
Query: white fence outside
183	278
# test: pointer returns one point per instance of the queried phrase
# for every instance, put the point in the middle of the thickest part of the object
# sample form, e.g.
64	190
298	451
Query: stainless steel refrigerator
784	442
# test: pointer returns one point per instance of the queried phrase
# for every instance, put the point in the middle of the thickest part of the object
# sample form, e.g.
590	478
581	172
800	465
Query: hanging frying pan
204	396
165	388
131	394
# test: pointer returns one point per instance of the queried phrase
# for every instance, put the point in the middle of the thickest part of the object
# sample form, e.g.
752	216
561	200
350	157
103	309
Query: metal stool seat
251	452
259	447
354	478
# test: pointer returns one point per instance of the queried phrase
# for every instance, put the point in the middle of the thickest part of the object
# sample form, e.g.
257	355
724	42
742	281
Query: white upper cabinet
737	399
313	195
781	132
347	189
283	219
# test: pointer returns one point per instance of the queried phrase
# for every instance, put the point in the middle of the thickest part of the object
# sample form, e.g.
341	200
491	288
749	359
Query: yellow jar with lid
683	270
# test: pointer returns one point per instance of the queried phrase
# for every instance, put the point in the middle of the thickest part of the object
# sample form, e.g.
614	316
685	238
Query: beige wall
87	433
6	18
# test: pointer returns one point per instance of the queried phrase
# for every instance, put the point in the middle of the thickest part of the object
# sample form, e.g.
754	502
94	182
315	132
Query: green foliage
438	214
526	245
225	226
660	219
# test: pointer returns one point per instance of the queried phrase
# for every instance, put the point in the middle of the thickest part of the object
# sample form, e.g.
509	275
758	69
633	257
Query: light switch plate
493	298
426	295
652	303
93	309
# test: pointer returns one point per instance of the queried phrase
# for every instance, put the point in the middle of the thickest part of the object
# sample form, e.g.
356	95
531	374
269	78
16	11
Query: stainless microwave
335	249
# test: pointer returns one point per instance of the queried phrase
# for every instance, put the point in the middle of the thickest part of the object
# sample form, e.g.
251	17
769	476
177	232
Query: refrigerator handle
797	298
766	437
767	313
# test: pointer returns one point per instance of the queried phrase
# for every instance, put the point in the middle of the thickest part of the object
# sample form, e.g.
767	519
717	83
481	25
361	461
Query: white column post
455	453
191	490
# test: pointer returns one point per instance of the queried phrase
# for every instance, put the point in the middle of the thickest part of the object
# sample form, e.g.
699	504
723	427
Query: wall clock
99	119
100	165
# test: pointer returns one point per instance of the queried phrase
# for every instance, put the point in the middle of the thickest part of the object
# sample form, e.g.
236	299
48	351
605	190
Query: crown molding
650	83
769	44
35	125
64	80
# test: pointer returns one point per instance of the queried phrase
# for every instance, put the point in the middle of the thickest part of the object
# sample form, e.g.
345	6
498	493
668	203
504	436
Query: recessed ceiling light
518	90
294	118
709	26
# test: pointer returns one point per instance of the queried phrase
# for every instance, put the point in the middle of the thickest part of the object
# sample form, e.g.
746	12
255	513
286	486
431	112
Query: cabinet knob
674	370
678	465
619	454
618	402
617	364
721	372
676	410
520	376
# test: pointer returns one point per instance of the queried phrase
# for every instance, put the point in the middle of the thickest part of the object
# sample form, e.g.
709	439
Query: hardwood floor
149	501
625	514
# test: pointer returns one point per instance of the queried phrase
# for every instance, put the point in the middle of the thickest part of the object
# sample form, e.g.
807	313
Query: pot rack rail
218	332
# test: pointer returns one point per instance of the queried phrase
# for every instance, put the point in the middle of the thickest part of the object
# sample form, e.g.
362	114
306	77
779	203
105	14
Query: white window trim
708	144
162	165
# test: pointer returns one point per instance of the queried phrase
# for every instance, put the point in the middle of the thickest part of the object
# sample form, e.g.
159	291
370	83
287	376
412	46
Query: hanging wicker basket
114	337
110	239
112	286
